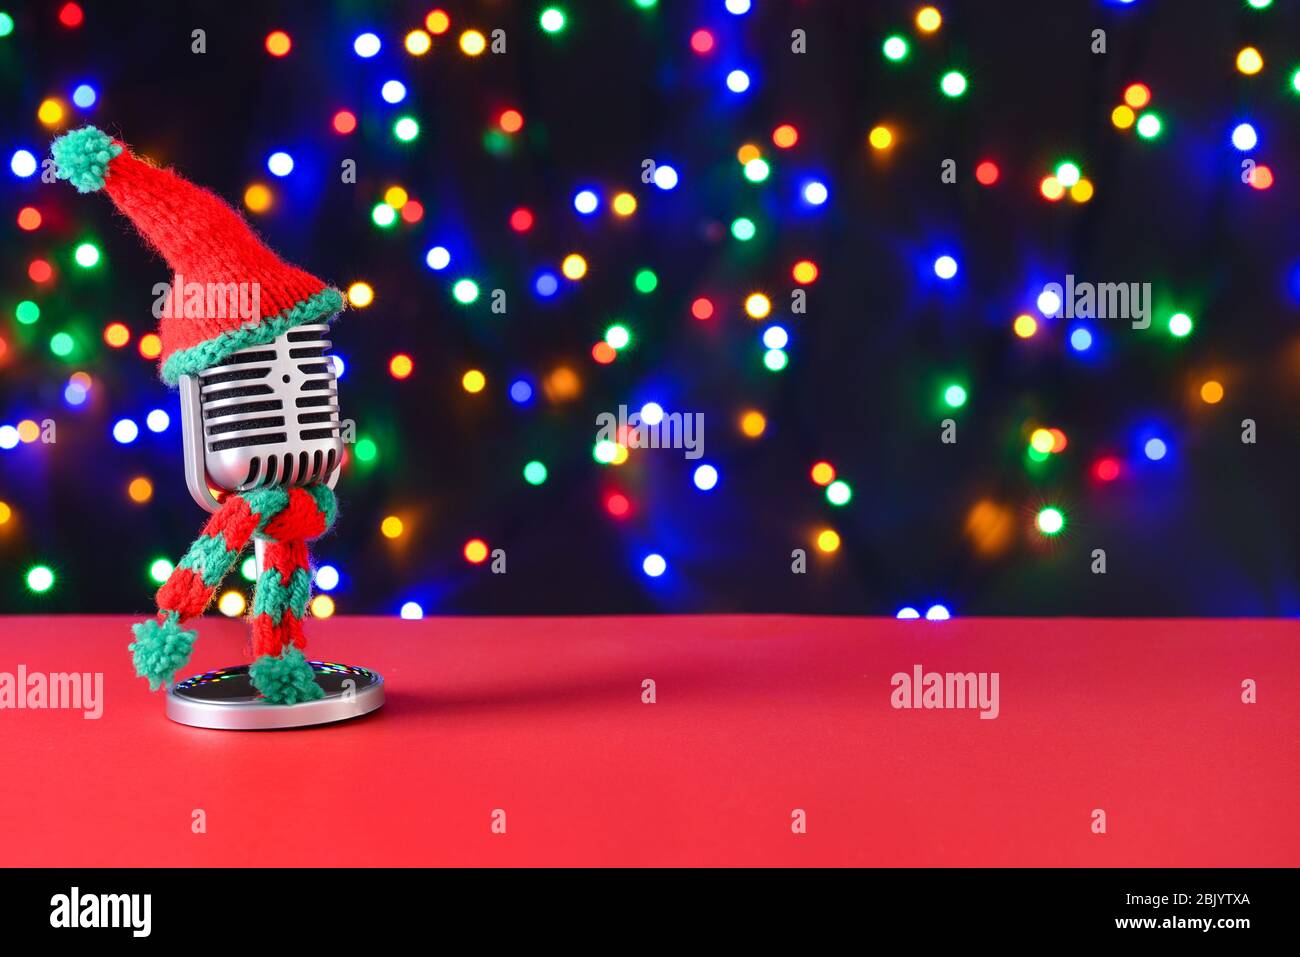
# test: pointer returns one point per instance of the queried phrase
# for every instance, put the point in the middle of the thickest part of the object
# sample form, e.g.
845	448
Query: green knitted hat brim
257	332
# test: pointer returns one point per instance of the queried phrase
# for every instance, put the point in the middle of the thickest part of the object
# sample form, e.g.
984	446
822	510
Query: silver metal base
226	699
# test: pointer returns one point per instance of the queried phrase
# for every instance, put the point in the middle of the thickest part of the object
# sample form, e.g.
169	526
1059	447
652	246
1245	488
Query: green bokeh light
1149	126
1050	521
160	569
62	344
406	128
646	281
953	83
757	170
839	492
86	255
618	336
27	312
1180	324
365	450
552	20
40	578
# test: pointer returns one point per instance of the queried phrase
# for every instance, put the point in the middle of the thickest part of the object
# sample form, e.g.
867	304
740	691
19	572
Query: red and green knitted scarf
286	519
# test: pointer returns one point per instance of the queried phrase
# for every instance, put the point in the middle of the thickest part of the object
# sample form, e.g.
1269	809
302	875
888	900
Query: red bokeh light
987	173
1261	177
702	41
344	122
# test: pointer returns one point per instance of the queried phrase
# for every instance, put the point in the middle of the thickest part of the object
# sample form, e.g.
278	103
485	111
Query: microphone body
268	415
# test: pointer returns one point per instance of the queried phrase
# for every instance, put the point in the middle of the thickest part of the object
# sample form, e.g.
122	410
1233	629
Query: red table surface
755	717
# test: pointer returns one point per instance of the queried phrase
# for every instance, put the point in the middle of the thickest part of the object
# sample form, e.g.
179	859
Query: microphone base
226	699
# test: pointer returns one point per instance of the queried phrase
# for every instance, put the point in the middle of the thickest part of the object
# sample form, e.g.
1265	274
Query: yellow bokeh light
257	198
1081	191
1042	440
1123	117
753	424
395	197
6	513
50	112
1052	188
473	381
231	604
1025	326
620	454
881	138
418	43
400	366
150	345
117	335
391	527
1250	61
928	19
758	306
574	266
28	430
322	606
472	43
437	21
278	43
748	152
828	540
805	271
624	204
140	490
1212	392
360	294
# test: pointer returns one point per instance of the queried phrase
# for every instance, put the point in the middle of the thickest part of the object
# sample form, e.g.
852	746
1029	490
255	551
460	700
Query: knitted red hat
205	242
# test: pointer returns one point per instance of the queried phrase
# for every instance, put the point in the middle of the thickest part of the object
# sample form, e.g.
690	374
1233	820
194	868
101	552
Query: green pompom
160	648
288	679
82	157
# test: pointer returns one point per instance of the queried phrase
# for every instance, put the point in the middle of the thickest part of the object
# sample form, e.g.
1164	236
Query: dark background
1211	530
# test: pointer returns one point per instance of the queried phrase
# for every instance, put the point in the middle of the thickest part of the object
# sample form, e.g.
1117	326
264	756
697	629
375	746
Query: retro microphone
261	436
268	415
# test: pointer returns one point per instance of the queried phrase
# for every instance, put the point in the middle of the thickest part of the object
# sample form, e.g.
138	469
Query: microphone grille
270	413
